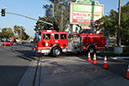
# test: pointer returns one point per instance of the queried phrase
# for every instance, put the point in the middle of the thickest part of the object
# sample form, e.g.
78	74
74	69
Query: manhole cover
91	70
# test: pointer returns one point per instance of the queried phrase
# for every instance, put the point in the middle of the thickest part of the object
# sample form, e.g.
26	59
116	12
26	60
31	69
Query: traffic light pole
29	17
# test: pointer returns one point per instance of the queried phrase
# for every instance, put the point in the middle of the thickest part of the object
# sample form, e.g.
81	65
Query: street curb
115	58
28	77
38	75
119	57
13	50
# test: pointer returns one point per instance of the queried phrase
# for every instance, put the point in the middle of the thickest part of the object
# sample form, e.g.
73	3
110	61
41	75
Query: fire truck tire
56	51
92	49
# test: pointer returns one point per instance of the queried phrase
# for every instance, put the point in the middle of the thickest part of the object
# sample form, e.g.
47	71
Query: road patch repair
73	71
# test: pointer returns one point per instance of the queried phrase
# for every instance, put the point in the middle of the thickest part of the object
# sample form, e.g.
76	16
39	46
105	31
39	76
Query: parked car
8	43
1	40
31	41
23	42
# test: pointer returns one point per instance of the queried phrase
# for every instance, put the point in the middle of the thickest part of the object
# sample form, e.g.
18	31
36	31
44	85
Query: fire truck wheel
56	51
92	50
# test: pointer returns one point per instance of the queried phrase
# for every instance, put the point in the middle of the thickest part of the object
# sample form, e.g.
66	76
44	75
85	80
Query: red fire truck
52	42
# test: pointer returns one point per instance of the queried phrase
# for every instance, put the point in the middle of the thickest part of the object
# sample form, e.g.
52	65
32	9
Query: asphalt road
14	61
118	66
74	70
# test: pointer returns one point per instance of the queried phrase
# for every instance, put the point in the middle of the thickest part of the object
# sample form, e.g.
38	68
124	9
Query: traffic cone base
4	46
127	75
94	62
105	65
89	59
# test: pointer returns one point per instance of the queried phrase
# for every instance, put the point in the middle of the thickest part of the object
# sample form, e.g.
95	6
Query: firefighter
76	40
63	37
75	35
46	37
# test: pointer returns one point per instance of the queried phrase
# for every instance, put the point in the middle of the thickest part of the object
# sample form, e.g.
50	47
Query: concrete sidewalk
73	71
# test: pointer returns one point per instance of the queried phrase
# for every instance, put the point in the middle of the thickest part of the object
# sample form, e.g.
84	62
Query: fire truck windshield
38	37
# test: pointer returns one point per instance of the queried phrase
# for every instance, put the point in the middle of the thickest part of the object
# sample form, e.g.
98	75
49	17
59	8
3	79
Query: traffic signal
3	12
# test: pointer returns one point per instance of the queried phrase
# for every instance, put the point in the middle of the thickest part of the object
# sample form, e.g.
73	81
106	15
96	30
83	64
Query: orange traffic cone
4	46
89	58
94	59
105	63
127	75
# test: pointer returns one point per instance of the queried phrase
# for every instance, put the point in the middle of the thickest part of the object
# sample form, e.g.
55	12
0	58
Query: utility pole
118	49
21	34
62	20
118	30
53	19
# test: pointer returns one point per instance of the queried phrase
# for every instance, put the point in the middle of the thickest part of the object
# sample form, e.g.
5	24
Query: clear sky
34	9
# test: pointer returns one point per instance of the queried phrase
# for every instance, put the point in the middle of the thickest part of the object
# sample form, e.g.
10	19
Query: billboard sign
85	14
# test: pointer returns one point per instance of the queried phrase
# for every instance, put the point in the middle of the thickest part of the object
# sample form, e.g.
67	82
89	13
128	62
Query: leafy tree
1	35
18	29
61	15
7	33
110	23
24	35
41	25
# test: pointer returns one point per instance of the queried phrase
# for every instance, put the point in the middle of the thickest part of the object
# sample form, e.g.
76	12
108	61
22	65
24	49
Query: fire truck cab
52	42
